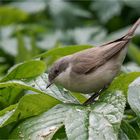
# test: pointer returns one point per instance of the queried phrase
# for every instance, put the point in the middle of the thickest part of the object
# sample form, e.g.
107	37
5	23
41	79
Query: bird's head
58	67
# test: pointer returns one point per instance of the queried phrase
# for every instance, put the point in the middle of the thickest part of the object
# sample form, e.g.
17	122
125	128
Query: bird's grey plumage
90	70
100	55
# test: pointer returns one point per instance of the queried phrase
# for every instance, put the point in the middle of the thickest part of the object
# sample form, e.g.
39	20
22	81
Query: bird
90	70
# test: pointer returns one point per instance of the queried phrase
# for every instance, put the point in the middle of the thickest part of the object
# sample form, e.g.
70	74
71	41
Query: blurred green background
30	27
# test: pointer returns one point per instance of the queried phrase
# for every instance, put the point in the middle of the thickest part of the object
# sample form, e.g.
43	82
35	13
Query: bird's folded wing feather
86	61
89	60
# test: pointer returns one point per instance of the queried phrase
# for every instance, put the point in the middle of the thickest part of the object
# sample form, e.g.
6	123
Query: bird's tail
131	31
127	37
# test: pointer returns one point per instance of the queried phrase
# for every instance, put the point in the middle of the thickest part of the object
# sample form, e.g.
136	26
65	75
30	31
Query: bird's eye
56	71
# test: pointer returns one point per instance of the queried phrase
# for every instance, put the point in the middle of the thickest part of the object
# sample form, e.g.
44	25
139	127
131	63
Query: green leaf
122	135
81	98
29	105
97	121
123	79
9	96
28	69
56	53
66	14
4	132
138	123
106	10
24	70
9	15
108	115
134	4
43	126
60	134
39	85
77	128
129	131
130	67
37	29
133	96
134	53
29	6
23	53
34	49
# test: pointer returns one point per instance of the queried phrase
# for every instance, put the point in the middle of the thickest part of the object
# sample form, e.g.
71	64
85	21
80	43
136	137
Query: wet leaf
133	96
122	79
98	121
39	85
29	105
28	69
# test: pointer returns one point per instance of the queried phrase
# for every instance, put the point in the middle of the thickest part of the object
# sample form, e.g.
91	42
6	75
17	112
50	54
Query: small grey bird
92	69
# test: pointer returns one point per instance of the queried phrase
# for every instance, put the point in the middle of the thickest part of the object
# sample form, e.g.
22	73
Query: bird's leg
94	96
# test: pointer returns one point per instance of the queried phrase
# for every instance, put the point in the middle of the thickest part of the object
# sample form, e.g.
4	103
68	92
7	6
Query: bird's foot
92	99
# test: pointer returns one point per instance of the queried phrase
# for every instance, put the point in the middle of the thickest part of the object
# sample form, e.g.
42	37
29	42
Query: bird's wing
86	61
89	60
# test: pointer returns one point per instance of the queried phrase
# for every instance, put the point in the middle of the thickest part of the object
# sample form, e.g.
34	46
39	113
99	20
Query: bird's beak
48	85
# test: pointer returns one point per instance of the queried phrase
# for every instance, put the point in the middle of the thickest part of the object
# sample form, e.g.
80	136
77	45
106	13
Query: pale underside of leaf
134	96
101	121
98	121
29	105
43	126
39	85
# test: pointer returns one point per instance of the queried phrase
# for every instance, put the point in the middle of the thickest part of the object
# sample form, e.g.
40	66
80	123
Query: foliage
33	34
107	111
